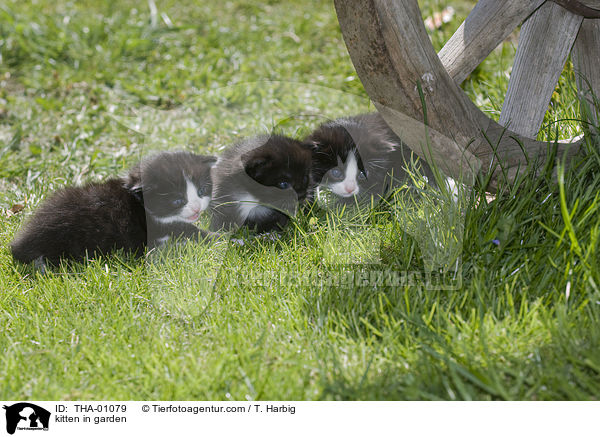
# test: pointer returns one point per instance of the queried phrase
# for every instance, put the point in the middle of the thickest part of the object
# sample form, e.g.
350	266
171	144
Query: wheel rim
400	71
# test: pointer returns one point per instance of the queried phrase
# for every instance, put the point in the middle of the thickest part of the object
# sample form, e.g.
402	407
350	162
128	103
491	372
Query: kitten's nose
349	188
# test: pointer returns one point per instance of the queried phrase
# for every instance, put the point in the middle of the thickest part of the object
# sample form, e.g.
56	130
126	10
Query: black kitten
259	183
159	199
359	157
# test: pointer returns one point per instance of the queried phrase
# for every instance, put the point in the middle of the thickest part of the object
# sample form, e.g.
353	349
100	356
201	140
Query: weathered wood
392	53
589	10
514	152
544	45
431	144
488	24
585	62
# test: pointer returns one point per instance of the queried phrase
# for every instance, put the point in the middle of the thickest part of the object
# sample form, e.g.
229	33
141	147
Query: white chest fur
249	205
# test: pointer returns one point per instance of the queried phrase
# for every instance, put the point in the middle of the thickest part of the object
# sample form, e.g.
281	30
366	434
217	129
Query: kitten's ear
135	187
212	161
133	182
256	163
208	160
133	178
311	145
137	191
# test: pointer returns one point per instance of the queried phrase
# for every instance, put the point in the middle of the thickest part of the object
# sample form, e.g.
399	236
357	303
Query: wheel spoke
393	56
544	45
585	62
488	24
400	71
589	10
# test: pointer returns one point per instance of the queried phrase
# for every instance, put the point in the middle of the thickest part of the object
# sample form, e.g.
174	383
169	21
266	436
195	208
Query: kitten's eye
178	202
336	173
305	180
200	192
362	175
283	185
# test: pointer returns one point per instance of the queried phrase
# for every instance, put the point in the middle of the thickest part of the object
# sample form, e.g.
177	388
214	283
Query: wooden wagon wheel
398	67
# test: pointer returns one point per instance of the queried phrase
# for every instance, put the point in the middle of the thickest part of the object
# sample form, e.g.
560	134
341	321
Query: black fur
120	213
274	170
280	159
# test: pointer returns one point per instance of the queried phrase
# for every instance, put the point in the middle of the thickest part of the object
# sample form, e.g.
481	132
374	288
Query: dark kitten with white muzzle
259	183
357	158
159	199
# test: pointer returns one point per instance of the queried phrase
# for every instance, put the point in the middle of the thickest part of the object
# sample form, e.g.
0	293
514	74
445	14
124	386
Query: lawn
88	87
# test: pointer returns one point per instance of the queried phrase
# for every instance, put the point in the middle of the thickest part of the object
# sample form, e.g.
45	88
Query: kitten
259	183
359	157
159	199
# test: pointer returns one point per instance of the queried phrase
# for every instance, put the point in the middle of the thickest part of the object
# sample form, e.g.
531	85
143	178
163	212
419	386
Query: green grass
88	87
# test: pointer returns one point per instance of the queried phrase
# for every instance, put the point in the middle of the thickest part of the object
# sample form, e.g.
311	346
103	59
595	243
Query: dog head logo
26	416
